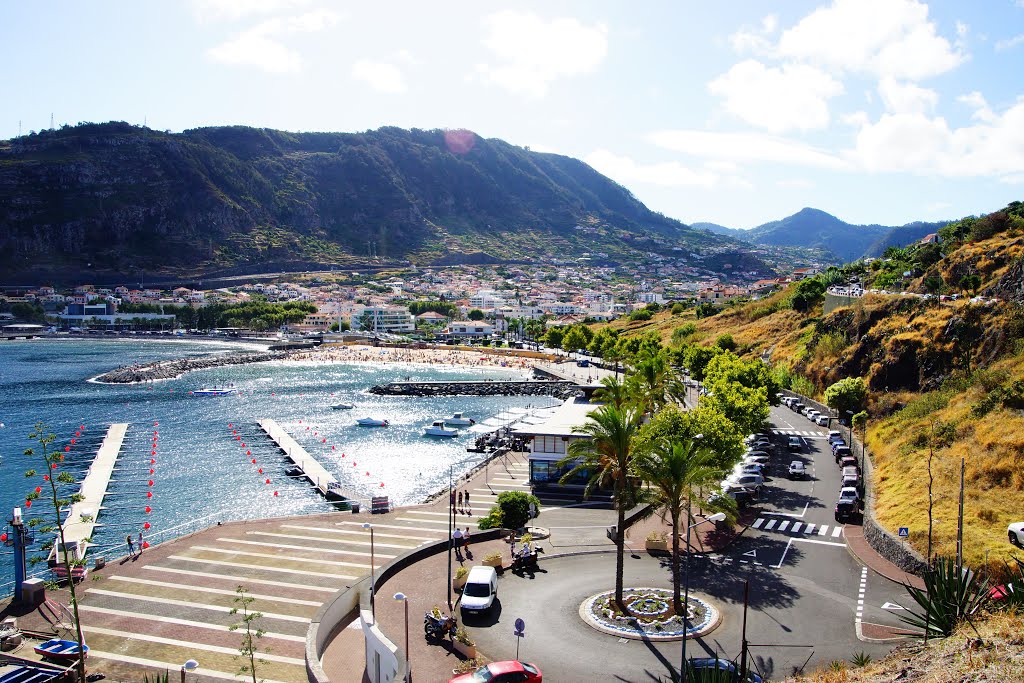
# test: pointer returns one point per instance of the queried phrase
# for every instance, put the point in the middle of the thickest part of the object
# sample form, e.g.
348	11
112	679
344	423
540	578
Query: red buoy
150	482
268	481
146	525
148	509
149	494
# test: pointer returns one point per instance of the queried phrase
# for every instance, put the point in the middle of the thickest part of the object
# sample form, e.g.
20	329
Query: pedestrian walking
465	540
457	542
141	544
451	498
131	545
465	498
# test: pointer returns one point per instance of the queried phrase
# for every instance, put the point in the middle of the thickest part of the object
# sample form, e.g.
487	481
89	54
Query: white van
480	590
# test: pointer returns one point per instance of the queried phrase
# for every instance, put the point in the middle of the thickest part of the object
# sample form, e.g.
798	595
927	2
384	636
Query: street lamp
189	665
849	416
717	517
373	587
408	669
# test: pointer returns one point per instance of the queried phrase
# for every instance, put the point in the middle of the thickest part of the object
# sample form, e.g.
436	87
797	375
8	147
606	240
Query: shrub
493	557
462	636
726	342
948	599
680	334
677	308
461	572
511	511
640	315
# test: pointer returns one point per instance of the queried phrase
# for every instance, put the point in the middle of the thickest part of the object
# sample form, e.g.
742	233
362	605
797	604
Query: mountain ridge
124	198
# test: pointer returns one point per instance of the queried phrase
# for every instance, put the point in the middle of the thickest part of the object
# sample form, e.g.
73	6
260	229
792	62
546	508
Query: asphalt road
806	591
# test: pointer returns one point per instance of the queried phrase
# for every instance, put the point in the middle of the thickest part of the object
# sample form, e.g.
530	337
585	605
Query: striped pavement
797	527
174	602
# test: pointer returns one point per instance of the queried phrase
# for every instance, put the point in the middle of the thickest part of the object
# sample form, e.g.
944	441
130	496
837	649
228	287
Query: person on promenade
131	545
465	500
460	500
140	544
457	542
451	496
465	544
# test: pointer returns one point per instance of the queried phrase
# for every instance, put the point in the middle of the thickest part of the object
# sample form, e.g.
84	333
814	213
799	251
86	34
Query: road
807	593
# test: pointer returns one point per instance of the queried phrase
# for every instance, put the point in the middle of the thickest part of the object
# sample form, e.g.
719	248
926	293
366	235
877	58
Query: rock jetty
170	369
557	389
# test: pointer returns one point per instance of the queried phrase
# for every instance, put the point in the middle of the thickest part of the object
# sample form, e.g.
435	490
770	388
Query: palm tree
672	470
607	456
613	391
653	382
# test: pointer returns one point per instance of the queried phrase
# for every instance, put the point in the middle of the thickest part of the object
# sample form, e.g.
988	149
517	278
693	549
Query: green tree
652	383
719	435
673	470
511	510
475	314
681	333
250	639
574	339
970	283
54	474
606	455
696	359
553	337
807	293
706	310
752	374
725	342
677	308
847	394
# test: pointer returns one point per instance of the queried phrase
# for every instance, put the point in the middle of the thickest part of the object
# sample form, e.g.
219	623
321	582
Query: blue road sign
904	531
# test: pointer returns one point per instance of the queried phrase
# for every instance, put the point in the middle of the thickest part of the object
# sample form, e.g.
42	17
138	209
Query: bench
379	505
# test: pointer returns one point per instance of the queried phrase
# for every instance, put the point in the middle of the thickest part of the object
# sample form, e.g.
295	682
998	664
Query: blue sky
741	112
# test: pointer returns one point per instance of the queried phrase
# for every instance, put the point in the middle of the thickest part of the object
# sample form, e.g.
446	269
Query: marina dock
81	520
322	480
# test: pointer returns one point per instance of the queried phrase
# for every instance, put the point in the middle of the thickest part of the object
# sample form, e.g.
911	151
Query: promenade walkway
81	520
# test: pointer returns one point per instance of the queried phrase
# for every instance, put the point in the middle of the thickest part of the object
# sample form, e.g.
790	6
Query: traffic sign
519	633
904	531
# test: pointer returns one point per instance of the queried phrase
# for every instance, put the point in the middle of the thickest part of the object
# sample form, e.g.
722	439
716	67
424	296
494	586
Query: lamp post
189	665
849	416
373	587
717	517
451	522
408	668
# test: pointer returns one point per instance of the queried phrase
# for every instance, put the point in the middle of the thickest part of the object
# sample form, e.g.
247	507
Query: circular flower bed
650	615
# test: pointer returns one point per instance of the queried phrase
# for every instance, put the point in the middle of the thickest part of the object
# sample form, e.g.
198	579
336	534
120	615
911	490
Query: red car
510	671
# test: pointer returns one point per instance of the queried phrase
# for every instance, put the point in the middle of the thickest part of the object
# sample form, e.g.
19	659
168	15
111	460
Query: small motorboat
371	422
343	406
211	392
62	650
438	429
459	419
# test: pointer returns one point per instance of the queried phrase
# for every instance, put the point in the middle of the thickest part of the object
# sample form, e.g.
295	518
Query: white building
549	443
392	319
485	299
469	328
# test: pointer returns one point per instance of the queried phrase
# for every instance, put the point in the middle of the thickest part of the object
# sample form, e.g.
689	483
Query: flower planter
657	545
467	651
489	562
458	583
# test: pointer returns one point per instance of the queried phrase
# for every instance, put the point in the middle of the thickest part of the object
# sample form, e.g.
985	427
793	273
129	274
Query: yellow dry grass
994	653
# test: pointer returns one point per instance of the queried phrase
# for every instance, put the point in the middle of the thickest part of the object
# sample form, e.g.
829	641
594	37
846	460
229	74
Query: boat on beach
343	406
211	392
459	419
371	422
437	428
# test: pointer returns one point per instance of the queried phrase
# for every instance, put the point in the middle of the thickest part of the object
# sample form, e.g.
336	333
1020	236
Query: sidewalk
858	546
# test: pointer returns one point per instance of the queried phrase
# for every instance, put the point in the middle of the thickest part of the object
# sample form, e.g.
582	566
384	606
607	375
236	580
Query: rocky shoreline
172	369
557	389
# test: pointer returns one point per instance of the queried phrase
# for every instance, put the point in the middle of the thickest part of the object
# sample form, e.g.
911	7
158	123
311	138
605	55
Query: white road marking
277	557
770	524
192	605
206	673
835	532
181	622
188	644
757	524
784	525
822	529
390	526
243	565
327	551
796	527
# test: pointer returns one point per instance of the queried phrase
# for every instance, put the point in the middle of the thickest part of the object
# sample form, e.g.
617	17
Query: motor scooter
438	627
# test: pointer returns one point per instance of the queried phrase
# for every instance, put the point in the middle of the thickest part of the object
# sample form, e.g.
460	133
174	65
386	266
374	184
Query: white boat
371	422
343	406
212	392
459	419
438	429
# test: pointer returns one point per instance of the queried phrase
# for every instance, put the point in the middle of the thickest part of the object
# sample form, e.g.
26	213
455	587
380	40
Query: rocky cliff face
117	197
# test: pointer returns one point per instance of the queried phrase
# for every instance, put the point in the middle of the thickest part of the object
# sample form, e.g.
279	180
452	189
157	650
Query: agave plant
950	597
1010	595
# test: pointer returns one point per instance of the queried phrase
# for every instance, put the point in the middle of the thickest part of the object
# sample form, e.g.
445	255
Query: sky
737	113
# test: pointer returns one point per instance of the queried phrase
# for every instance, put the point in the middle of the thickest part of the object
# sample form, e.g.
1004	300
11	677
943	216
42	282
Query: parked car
699	669
798	406
758	457
795	443
847	510
1015	533
508	671
748	468
480	590
850	493
750	481
797	470
835	437
740	494
848	461
851	479
822	420
841	452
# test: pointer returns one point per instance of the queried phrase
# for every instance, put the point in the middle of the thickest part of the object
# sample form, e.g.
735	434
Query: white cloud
667	174
919	144
794	96
1010	42
906	98
744	147
882	37
976	101
381	76
758	40
261	45
230	10
532	52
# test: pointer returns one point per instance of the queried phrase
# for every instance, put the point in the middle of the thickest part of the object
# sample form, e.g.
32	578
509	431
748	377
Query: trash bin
355	507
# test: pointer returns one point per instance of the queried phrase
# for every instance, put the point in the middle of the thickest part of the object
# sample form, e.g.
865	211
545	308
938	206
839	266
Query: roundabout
651	615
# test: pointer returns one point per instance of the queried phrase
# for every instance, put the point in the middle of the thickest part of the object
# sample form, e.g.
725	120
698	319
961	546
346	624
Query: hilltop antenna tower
51	120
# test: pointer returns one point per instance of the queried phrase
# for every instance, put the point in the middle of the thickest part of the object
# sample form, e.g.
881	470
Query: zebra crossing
806	433
797	527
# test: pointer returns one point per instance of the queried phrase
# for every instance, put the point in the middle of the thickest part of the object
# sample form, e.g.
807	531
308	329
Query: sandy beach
361	353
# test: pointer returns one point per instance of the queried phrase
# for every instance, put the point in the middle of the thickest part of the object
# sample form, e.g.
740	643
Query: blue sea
202	474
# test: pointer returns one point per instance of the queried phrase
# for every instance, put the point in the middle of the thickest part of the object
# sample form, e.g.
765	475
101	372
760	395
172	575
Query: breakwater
561	390
171	369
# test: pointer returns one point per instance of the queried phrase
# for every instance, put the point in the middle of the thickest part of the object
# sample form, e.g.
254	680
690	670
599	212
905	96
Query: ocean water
202	473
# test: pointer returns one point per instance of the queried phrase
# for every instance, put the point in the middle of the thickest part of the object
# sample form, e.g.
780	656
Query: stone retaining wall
170	369
561	390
